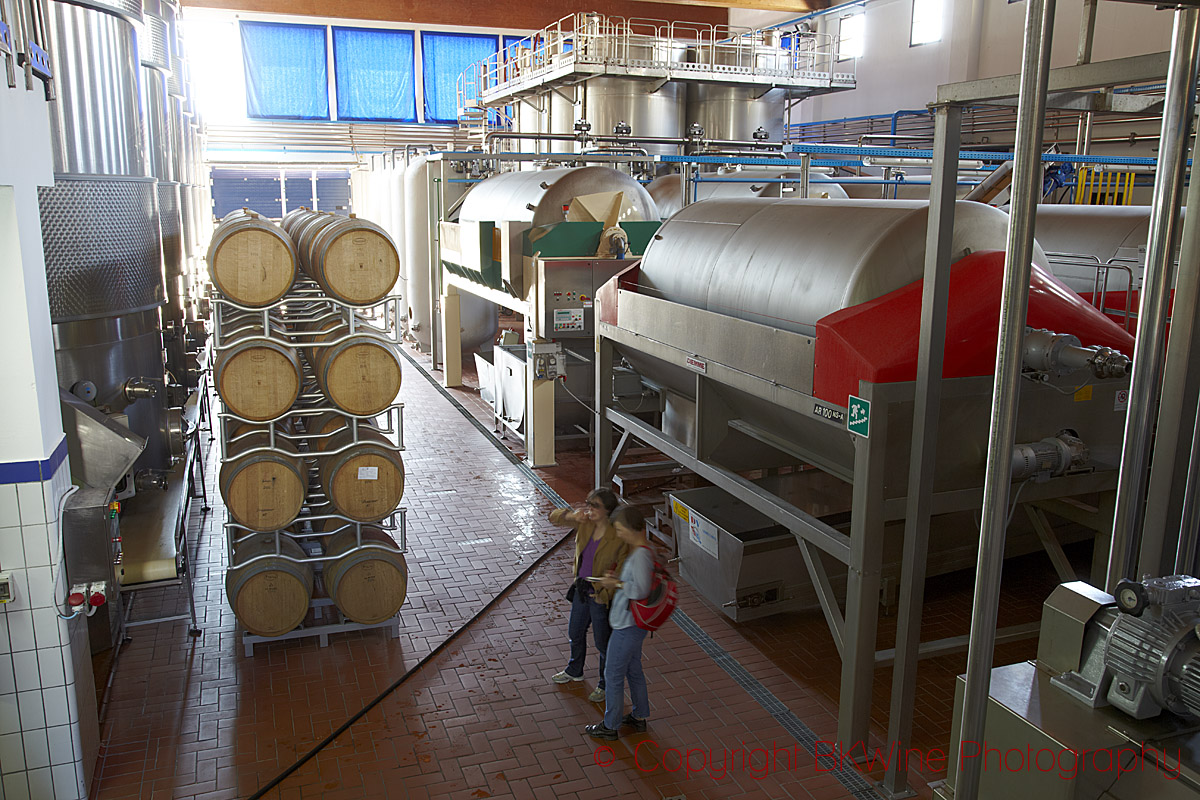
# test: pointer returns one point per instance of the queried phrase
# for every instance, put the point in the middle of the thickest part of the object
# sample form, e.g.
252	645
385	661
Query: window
375	74
218	75
444	56
852	32
286	76
926	22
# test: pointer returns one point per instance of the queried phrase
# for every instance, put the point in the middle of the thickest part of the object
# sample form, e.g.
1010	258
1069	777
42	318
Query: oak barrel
367	584
259	379
354	261
360	375
269	597
251	260
263	491
366	482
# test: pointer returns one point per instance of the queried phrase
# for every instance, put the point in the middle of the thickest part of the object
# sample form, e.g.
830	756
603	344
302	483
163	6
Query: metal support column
862	589
1026	192
1177	410
947	122
604	428
1148	355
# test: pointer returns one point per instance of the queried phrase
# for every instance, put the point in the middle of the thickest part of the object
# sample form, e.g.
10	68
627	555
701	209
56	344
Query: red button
75	599
97	599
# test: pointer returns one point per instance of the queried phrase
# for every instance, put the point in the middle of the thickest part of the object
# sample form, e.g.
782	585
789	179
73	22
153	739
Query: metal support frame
1054	549
927	409
862	588
1148	353
825	595
1026	193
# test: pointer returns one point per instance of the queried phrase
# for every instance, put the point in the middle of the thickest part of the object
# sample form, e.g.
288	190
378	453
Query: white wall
30	396
982	38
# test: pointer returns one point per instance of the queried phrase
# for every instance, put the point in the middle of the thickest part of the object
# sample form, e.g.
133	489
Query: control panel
568	288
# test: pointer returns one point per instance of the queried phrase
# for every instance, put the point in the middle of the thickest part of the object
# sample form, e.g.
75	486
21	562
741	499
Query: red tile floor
195	718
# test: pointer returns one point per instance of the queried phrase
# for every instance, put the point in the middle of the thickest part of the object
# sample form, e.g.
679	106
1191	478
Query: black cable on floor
542	486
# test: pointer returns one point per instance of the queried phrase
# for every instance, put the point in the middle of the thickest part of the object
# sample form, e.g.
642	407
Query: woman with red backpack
624	657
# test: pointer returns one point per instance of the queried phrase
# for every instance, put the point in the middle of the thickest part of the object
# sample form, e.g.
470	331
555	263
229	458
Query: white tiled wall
40	752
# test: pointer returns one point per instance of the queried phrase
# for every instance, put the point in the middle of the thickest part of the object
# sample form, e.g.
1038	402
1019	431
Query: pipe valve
1061	354
137	388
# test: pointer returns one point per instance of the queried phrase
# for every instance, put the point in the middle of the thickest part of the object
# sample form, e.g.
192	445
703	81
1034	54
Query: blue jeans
586	611
625	660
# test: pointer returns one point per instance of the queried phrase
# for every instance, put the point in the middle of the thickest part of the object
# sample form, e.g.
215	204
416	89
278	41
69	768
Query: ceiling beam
791	6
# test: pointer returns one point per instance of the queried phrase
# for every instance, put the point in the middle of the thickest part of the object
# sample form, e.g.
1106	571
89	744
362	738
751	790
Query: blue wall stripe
33	471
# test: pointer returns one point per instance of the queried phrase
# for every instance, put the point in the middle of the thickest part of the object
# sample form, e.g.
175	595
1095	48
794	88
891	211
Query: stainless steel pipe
1026	193
1148	353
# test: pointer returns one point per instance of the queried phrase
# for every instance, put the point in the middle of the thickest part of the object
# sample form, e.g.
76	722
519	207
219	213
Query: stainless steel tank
736	112
541	197
478	318
100	224
788	263
416	252
552	111
1074	235
667	190
648	107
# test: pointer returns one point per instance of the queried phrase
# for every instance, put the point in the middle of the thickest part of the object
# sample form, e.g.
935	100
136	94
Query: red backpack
652	613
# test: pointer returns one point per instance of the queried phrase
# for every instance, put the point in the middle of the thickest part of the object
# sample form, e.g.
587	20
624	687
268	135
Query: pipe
1178	107
1164	506
1187	555
1026	194
815	14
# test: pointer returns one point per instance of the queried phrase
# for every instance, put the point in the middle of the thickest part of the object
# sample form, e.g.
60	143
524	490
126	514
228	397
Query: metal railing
671	49
1100	287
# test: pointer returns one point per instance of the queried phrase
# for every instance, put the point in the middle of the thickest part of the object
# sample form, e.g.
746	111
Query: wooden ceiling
507	14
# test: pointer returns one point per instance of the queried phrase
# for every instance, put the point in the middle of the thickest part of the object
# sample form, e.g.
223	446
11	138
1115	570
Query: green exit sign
858	416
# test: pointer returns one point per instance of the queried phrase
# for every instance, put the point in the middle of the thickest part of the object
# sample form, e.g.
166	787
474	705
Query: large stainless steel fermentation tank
767	327
120	230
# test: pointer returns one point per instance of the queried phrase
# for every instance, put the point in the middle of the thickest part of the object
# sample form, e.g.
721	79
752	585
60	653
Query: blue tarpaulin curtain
443	58
375	72
286	76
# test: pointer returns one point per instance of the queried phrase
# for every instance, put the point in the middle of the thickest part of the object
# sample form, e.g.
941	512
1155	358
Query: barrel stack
308	370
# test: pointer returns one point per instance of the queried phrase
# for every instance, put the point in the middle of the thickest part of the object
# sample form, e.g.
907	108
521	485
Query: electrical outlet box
6	587
548	360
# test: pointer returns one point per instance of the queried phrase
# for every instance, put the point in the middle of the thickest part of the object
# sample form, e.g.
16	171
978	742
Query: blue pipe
820	13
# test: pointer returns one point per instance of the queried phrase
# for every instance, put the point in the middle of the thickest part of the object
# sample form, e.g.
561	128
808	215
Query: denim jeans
586	611
625	660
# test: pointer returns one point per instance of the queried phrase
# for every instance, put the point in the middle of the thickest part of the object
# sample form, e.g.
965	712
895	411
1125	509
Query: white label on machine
568	319
702	533
698	364
368	473
1121	401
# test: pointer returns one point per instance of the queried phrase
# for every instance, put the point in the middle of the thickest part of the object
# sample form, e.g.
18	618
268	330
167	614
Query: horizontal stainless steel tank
788	263
1102	233
667	190
541	197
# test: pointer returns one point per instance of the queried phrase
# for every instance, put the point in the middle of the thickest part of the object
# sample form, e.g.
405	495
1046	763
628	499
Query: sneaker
638	725
597	695
598	731
565	677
